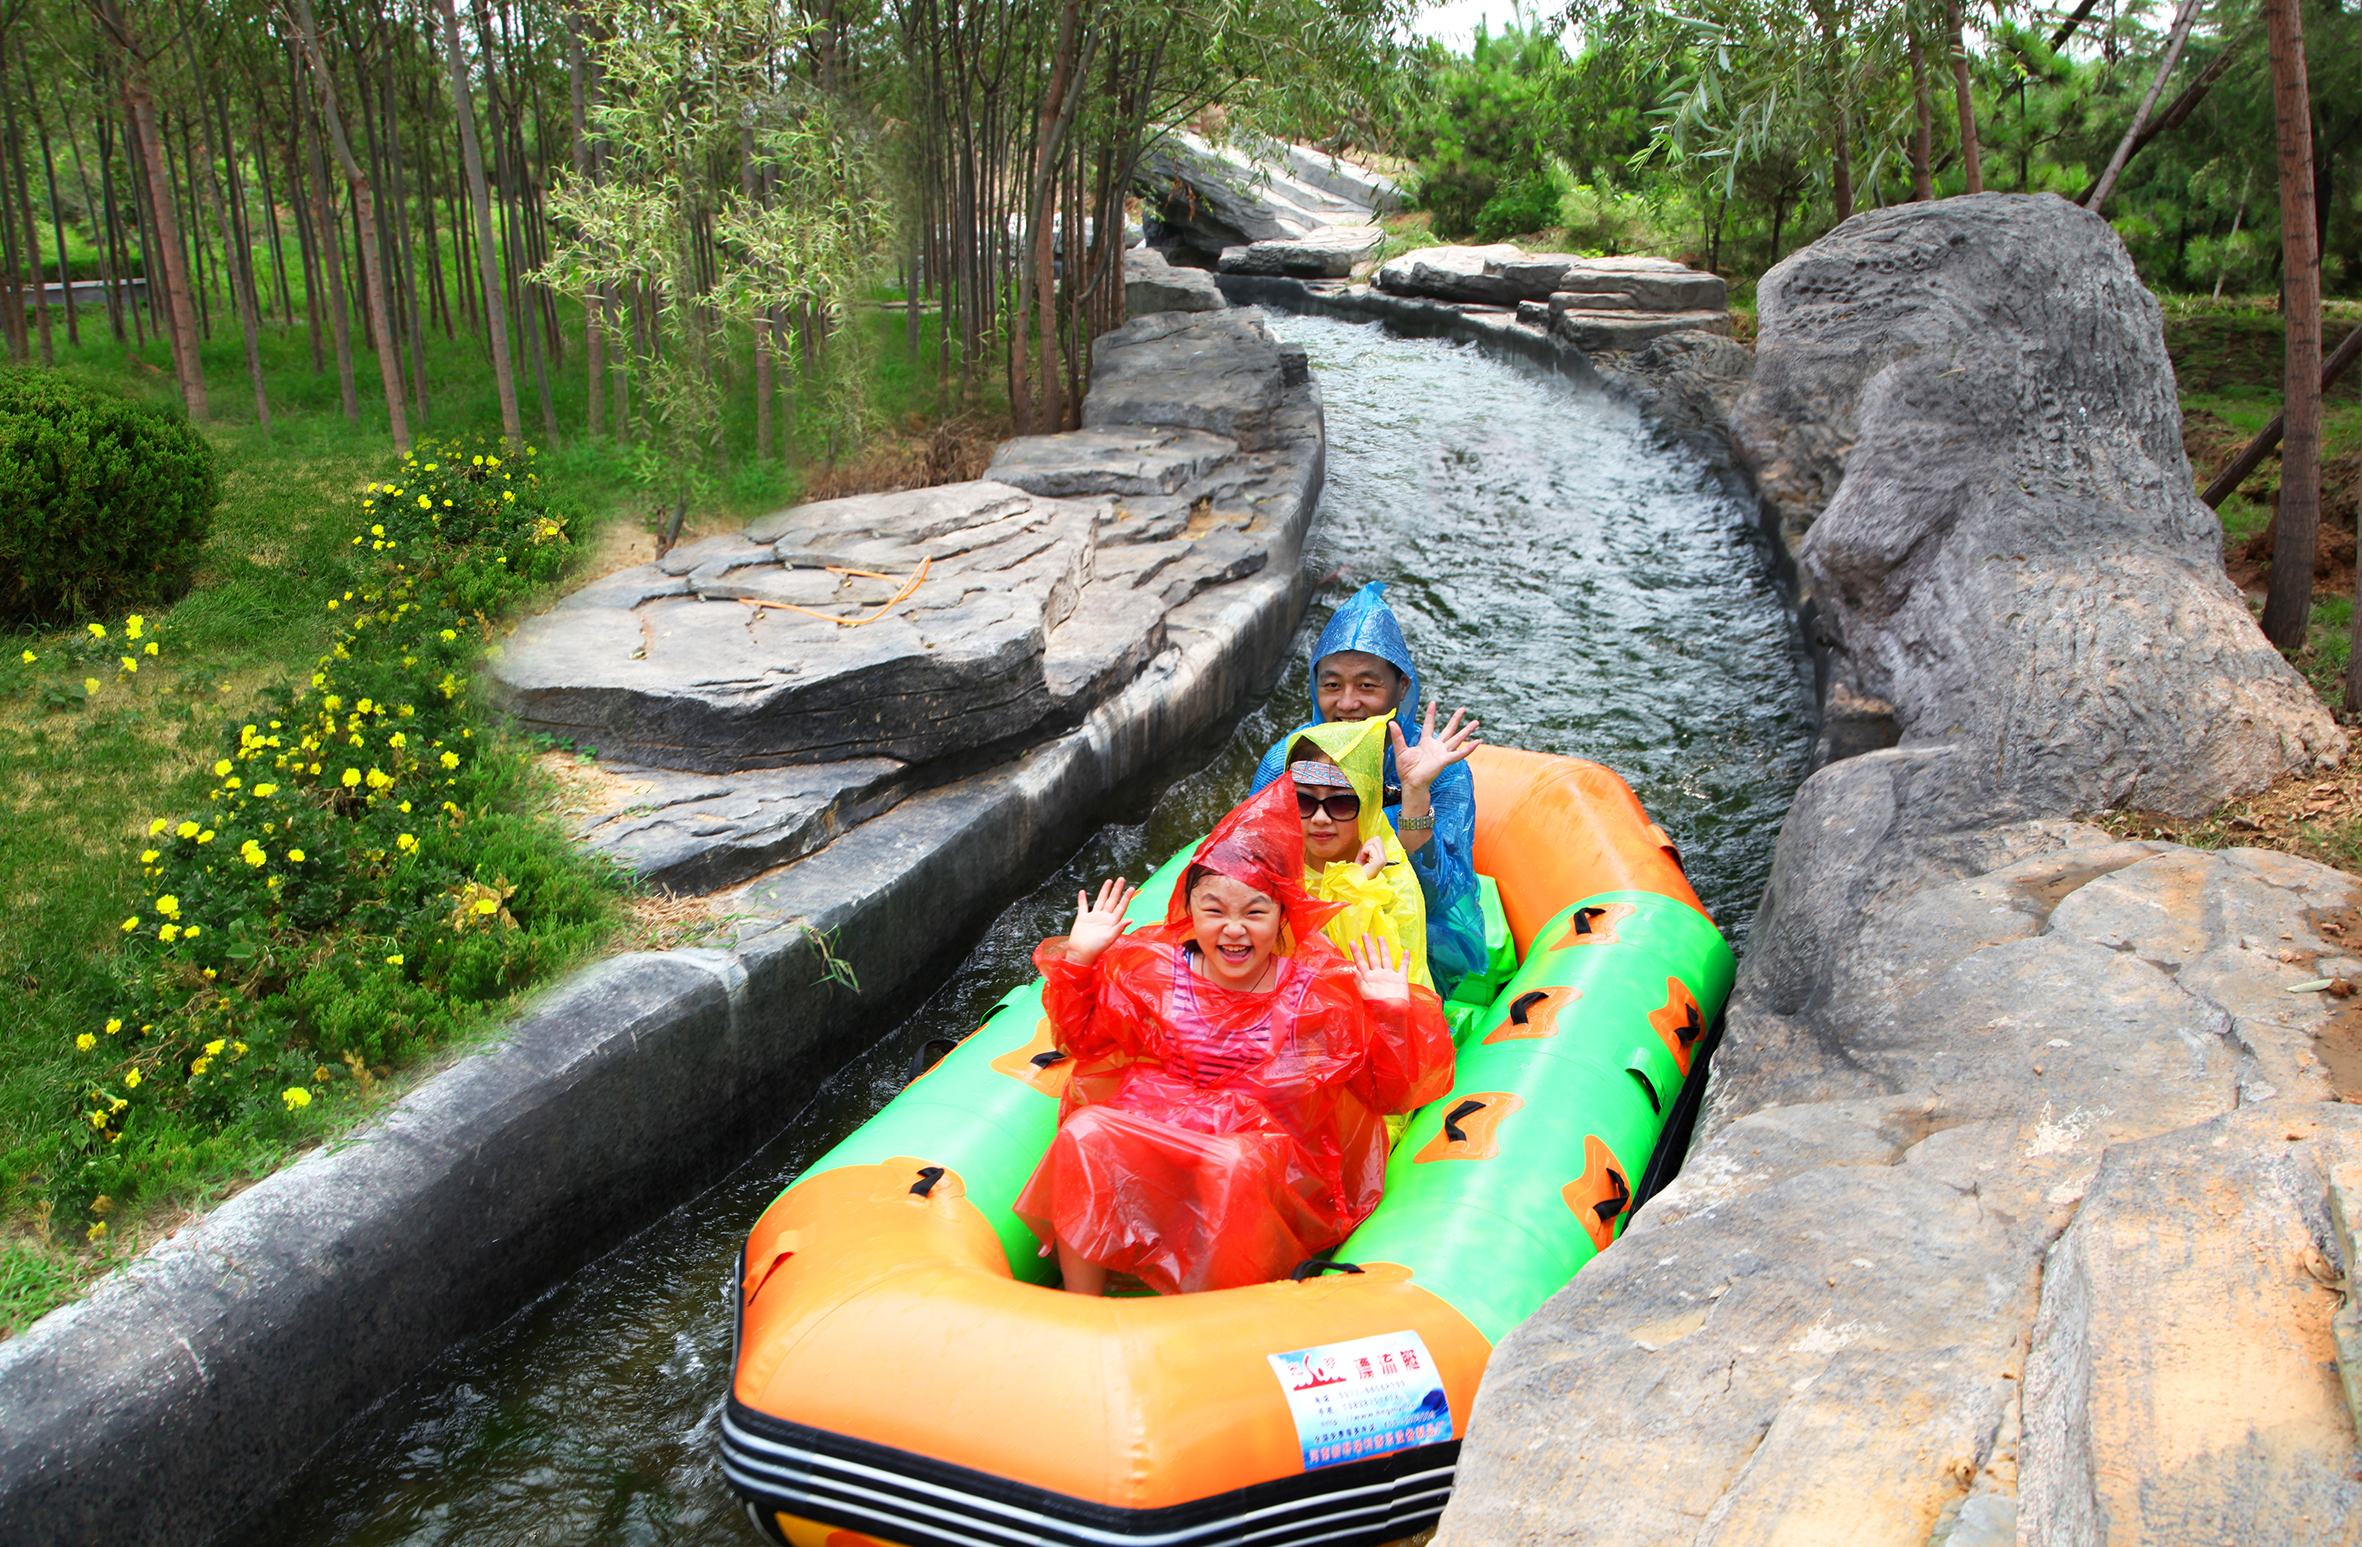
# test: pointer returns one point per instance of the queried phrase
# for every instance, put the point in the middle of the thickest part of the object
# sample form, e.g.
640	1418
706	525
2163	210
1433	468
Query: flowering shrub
358	883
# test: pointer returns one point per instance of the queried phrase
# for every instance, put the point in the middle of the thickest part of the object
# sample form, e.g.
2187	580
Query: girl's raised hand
1377	976
1096	924
1372	858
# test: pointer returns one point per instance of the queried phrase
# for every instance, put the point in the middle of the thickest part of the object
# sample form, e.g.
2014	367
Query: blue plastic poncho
1445	864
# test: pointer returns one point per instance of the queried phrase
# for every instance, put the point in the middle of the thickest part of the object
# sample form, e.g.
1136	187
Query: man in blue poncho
1362	668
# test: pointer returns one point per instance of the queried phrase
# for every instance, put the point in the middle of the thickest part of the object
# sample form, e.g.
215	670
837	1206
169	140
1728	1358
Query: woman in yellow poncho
1351	854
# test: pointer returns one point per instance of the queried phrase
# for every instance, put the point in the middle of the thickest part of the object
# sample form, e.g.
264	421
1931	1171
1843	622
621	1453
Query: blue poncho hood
1367	624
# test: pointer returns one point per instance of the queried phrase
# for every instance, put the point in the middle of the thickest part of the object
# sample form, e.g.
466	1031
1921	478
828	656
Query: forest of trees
684	202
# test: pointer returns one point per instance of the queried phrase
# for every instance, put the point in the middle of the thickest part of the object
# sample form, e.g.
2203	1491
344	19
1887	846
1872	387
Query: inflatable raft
905	1374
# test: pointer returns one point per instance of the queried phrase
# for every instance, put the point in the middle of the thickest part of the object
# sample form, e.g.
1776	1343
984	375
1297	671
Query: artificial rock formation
807	671
1153	285
2008	1217
1210	197
1596	304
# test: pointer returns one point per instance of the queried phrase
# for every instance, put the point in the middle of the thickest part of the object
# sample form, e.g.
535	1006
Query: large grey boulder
1974	396
1607	332
814	636
1331	253
1216	371
1342	179
1153	285
691	833
2007	1215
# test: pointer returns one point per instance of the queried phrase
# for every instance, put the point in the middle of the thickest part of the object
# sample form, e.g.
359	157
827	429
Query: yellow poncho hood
1389	905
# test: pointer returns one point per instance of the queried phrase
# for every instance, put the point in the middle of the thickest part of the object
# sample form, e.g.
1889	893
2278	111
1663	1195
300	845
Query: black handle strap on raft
1523	1006
1673	1141
927	1057
928	1177
1451	1120
1693	1028
1584	916
1314	1267
1053	1056
1648	1088
1608	1208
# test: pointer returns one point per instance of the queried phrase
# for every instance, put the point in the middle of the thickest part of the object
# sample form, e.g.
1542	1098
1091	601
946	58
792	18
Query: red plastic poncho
1211	1138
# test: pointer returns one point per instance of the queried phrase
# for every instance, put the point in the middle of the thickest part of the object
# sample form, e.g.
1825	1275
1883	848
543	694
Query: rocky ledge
1594	304
2018	1210
764	688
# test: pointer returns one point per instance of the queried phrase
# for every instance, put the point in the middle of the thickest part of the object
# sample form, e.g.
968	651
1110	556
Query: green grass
85	780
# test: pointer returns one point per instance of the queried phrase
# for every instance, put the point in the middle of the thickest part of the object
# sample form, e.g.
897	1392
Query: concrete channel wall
185	1390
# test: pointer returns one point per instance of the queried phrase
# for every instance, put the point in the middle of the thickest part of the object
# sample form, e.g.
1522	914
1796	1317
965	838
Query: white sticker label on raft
1363	1398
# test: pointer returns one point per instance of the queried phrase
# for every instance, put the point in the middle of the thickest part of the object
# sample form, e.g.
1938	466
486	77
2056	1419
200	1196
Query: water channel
1586	588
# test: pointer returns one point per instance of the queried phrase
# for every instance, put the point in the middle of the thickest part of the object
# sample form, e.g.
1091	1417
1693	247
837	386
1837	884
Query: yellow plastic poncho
1390	904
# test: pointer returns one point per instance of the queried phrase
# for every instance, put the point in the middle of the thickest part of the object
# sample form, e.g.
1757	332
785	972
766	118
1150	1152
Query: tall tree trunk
2289	600
593	330
512	426
57	221
1923	124
373	280
239	301
180	310
338	298
1972	157
32	237
2097	199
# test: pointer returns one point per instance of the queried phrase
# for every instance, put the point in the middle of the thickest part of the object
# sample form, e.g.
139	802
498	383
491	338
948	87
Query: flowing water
1582	586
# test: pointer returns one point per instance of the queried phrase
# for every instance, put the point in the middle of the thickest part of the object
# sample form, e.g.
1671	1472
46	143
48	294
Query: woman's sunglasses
1343	806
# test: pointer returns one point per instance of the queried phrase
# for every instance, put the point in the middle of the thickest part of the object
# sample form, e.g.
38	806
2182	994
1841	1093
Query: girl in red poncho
1232	1071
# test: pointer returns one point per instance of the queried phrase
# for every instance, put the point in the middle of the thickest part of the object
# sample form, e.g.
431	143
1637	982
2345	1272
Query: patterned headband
1319	773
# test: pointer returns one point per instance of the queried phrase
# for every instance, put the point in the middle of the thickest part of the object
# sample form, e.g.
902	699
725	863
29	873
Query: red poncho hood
1260	843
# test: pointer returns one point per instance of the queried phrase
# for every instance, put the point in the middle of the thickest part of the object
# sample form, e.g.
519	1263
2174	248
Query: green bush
102	501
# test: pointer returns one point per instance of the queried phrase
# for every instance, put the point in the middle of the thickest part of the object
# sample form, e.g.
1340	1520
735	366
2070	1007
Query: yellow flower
265	791
406	843
487	906
450	760
191	933
97	1120
251	852
131	924
151	647
332	703
90	685
230	783
98	631
379	779
398	741
187	830
85	1042
423	504
213	1048
332	603
113	1027
30	657
508	496
448	636
479	462
168	905
149	856
296	1096
131	1079
99	1229
295	856
377	531
129	665
221	767
132	625
168	933
205	836
394	960
352	778
365	706
199	1067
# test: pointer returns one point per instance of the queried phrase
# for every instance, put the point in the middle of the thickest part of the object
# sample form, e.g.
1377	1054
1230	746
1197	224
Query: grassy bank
250	1036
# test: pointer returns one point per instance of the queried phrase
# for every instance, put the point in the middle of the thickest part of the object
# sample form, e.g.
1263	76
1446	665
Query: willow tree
694	92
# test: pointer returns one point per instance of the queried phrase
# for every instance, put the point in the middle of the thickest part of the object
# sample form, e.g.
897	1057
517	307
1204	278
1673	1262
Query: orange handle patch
1039	1063
1534	1014
1600	1195
1595	925
1471	1127
1679	1022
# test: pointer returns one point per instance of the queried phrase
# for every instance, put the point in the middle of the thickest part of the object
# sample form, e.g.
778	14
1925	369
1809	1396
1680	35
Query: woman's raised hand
1096	924
1419	765
1377	976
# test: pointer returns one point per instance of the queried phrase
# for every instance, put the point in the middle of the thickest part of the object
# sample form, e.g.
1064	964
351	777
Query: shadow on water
1588	589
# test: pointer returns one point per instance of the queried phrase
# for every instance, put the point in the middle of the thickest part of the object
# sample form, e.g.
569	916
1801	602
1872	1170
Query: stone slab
690	833
1330	253
1605	331
1153	285
1503	274
1111	459
1247	190
1216	371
